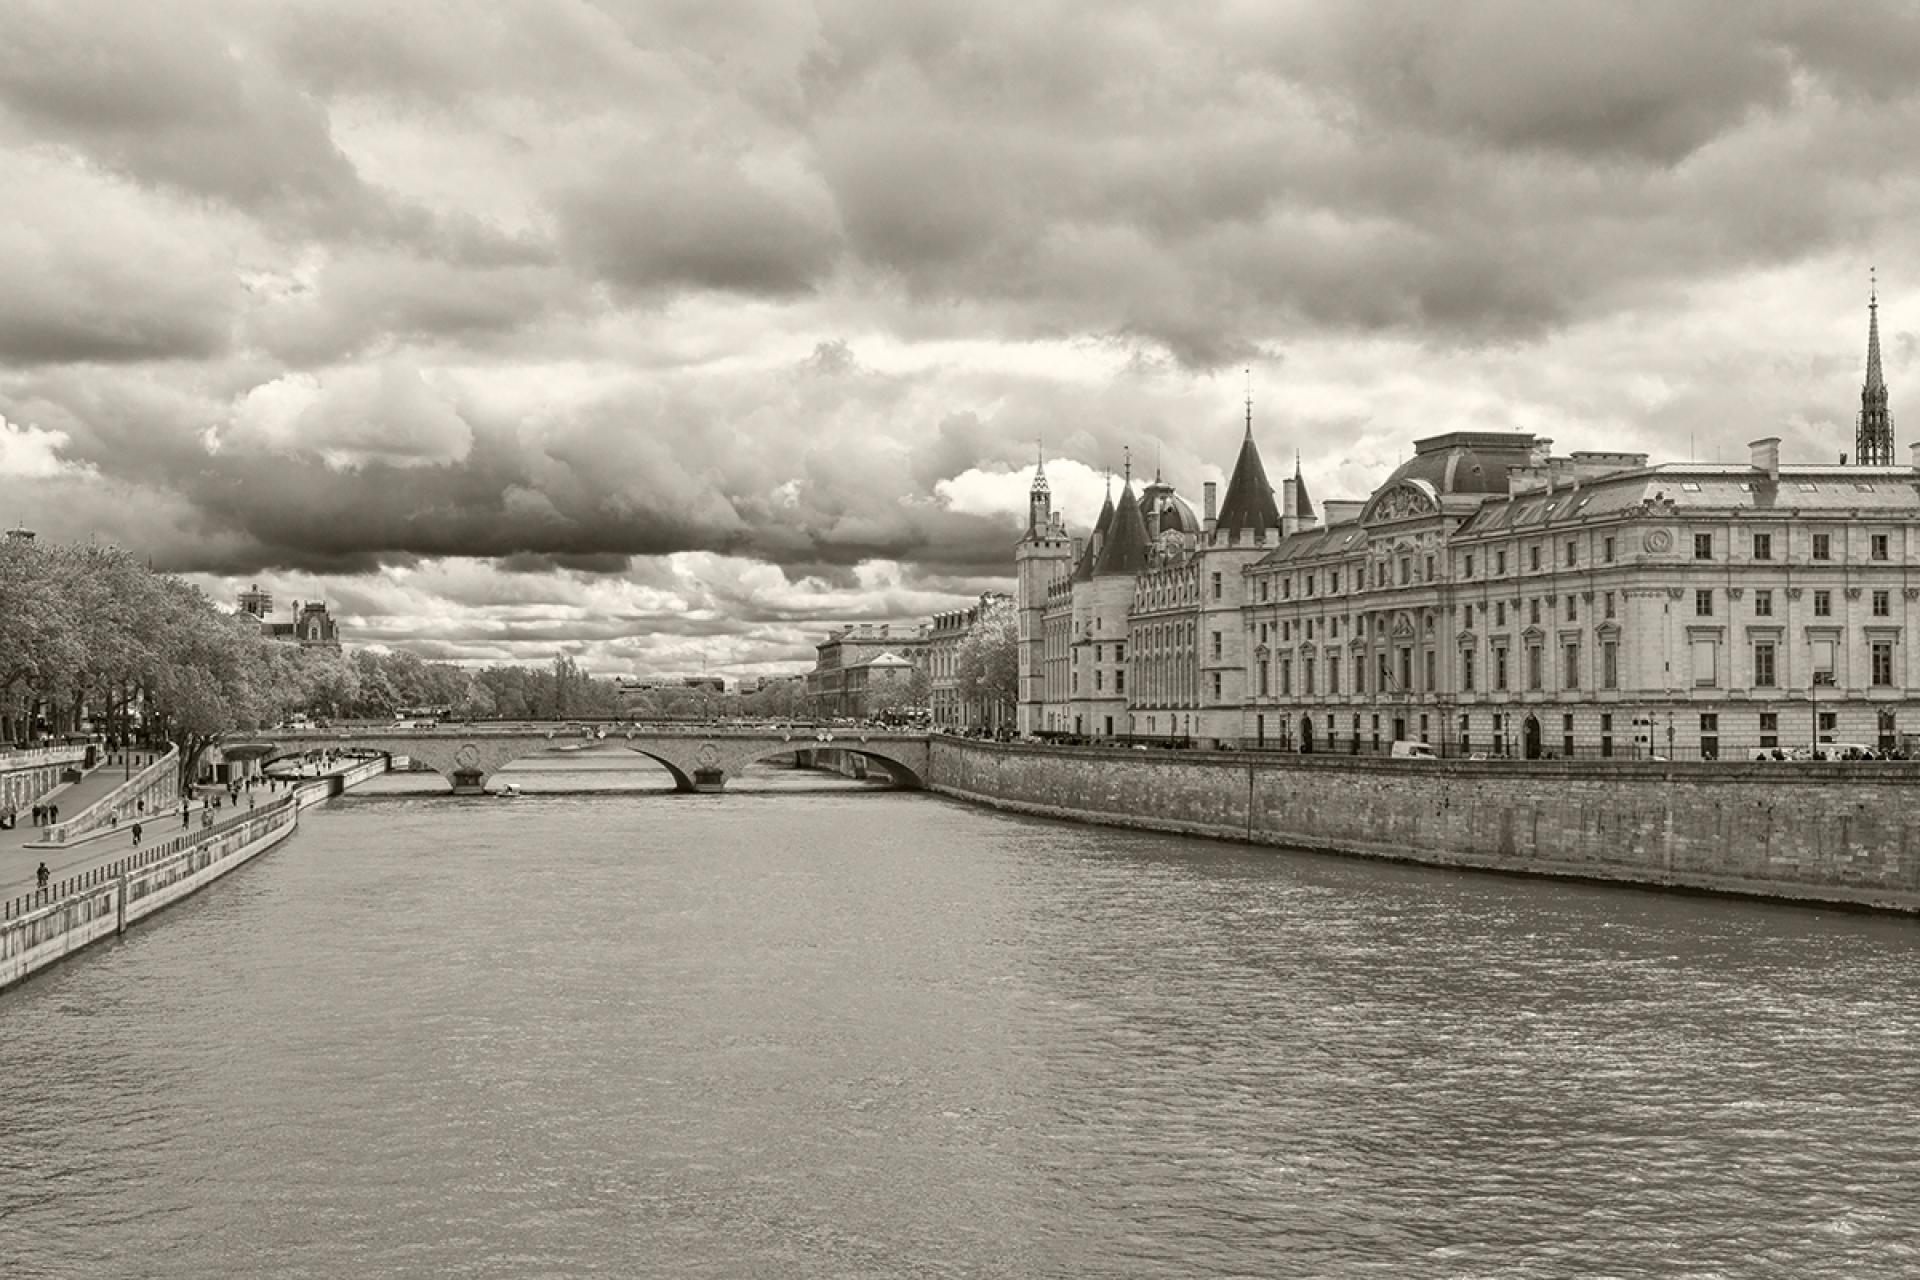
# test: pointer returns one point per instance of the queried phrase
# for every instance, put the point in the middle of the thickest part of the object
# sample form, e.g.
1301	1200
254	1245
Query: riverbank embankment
103	901
1838	834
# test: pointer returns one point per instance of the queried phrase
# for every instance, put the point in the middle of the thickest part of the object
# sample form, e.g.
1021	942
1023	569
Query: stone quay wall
1844	834
25	776
146	794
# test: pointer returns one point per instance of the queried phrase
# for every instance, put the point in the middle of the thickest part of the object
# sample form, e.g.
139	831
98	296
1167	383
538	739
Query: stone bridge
700	758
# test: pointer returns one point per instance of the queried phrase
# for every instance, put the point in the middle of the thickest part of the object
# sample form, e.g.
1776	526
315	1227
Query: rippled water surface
840	1033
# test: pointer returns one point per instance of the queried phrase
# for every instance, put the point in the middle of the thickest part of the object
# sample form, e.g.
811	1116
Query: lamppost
1813	703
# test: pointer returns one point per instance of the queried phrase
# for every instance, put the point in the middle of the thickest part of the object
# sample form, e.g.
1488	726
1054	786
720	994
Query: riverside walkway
19	862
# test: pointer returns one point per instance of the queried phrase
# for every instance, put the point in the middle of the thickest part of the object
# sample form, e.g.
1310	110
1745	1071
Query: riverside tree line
92	638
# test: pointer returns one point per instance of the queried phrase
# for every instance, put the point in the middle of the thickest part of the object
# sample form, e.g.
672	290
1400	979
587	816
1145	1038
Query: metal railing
110	808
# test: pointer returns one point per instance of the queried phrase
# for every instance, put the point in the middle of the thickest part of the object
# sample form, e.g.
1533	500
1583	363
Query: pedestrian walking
183	815
53	814
42	875
136	835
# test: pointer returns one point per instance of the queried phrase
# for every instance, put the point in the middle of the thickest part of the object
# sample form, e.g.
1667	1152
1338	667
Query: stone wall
1837	833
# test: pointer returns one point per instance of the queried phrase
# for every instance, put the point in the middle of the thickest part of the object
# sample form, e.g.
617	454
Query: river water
822	1031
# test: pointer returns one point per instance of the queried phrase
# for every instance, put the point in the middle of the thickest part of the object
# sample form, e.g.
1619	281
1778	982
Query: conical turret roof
1302	504
1248	503
1100	527
1125	547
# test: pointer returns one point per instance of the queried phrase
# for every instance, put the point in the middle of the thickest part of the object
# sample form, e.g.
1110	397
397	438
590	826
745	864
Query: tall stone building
1494	597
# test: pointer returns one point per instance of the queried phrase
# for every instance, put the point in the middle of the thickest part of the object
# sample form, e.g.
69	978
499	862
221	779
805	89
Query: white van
1404	750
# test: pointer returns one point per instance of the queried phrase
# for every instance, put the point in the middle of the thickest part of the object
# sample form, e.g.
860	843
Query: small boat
508	791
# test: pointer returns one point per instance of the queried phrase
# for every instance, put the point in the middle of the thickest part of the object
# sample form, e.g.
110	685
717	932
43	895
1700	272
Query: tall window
1882	663
1500	669
1216	686
1432	682
1533	611
1823	604
1822	546
1763	676
1763	546
1769	728
1533	666
1333	673
1216	644
1879	546
1572	555
1606	550
1763	603
1430	574
1703	546
1306	676
1533	556
1263	677
1499	613
1406	669
1406	570
1609	604
1286	677
1573	608
1216	586
1469	572
1610	665
1466	671
1703	603
1882	604
1571	655
1500	562
1706	663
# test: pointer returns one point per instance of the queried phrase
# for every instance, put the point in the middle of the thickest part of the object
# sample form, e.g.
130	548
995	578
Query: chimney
1210	506
1341	510
1915	446
1766	456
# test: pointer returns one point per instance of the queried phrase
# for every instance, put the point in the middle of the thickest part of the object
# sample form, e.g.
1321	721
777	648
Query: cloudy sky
661	331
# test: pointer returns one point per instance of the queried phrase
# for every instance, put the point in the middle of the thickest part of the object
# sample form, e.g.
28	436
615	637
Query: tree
987	667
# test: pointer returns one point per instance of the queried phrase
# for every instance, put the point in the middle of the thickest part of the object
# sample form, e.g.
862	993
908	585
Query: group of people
43	815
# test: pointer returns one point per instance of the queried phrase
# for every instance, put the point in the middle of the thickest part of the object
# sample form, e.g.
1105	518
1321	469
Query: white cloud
29	453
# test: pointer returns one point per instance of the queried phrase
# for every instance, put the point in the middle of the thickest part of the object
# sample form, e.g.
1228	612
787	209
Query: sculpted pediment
1403	625
1402	501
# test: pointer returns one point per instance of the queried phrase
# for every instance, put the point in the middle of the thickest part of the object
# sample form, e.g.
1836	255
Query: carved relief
1586	597
1657	540
1793	593
1735	593
1400	502
1676	593
1853	593
1911	593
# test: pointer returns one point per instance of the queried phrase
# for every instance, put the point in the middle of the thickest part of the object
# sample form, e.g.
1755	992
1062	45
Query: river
811	1029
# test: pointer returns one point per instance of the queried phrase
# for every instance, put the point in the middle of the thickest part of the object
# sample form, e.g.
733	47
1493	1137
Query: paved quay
19	863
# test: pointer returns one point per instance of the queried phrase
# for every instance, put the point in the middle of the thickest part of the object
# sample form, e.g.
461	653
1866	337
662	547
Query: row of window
1881	602
1879	549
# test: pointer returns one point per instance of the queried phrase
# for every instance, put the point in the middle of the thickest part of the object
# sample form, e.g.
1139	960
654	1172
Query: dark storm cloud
337	284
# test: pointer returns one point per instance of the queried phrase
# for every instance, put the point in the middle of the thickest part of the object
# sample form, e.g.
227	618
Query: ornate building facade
1494	597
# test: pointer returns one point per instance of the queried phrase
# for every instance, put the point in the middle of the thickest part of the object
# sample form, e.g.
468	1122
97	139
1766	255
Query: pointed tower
1042	558
1248	505
1124	549
1099	535
1039	499
1873	438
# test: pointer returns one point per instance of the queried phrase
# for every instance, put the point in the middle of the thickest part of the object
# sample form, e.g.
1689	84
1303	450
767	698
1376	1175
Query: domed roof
1172	511
1465	461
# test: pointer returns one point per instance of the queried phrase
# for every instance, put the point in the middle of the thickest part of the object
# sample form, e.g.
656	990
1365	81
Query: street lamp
1813	703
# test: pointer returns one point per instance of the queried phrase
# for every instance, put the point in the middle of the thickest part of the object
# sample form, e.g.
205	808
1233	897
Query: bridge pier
468	782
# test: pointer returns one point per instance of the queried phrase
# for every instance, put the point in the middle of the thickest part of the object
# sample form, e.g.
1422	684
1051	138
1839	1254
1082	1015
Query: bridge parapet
699	758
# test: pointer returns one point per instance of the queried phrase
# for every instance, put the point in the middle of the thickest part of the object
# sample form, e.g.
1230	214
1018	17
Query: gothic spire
1873	440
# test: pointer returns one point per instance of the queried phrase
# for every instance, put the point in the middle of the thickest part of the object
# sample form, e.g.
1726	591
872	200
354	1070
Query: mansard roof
1248	503
1801	491
1125	547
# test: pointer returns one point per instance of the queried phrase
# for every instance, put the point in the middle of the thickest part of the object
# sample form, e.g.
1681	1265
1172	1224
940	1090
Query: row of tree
91	637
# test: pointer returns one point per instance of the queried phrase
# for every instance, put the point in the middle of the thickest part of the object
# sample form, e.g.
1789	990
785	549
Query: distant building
845	674
946	704
312	625
712	684
20	533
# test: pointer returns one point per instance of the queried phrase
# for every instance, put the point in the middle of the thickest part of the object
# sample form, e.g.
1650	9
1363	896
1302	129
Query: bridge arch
700	759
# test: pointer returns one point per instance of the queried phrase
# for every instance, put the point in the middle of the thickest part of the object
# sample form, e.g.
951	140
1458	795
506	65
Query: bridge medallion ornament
708	755
467	756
